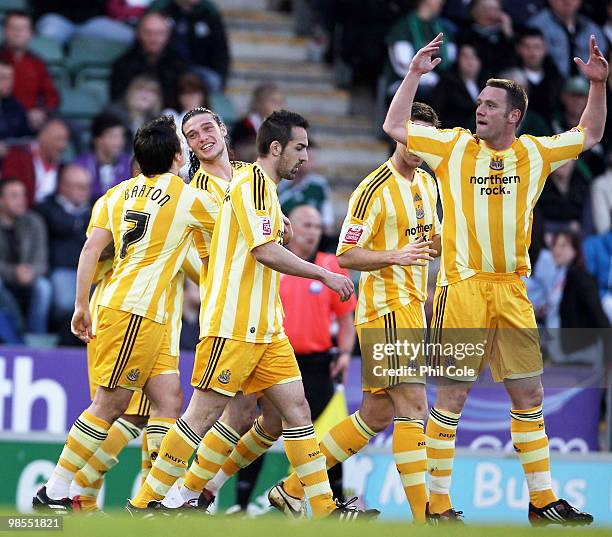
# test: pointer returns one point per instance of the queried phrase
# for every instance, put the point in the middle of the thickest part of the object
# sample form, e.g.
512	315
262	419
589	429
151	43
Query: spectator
33	86
574	98
544	80
491	33
565	296
310	188
108	163
13	117
567	34
66	214
598	257
190	329
565	195
141	103
36	164
23	255
408	35
266	99
150	55
601	197
200	38
67	19
454	97
128	11
10	318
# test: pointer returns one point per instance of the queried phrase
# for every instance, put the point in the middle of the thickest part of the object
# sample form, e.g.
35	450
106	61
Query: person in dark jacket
23	255
198	34
151	55
66	214
13	117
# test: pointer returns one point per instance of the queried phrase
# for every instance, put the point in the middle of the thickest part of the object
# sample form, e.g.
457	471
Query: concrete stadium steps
289	86
245	5
281	72
322	124
255	45
262	21
306	101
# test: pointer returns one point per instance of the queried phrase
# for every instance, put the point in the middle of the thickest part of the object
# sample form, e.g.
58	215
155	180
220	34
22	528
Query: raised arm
401	105
593	118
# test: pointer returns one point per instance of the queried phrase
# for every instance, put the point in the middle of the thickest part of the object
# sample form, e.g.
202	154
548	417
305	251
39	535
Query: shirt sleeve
362	220
561	148
433	145
99	215
252	204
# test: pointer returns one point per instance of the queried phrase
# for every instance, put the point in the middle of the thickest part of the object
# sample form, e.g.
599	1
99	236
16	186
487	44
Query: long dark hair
194	163
576	241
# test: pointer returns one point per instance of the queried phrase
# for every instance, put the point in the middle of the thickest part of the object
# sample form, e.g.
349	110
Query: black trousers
319	389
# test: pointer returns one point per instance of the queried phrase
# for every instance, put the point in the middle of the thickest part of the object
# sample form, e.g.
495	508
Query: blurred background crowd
77	79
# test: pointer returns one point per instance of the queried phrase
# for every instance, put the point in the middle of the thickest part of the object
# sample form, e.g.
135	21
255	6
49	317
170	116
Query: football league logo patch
496	164
420	213
353	234
266	226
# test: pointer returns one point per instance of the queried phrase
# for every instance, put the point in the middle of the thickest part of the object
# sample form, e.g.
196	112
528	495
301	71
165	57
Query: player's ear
276	148
223	129
179	159
515	116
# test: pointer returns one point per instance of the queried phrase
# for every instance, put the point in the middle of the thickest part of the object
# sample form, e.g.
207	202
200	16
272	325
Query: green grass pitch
122	525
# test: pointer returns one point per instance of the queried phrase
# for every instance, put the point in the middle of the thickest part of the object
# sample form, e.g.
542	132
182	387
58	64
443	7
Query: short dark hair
103	122
155	145
17	13
516	95
8	181
277	128
424	112
529	31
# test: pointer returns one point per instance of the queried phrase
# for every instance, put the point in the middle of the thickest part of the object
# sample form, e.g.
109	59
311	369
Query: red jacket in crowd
33	86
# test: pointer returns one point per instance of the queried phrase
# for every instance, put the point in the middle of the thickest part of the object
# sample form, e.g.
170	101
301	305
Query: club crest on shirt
133	374
420	213
353	234
224	376
496	164
266	226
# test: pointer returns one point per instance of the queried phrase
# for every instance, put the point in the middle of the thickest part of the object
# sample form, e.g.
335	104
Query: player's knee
451	400
377	419
273	427
297	413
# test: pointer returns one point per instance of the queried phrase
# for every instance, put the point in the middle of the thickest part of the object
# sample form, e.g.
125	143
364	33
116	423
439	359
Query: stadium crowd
174	55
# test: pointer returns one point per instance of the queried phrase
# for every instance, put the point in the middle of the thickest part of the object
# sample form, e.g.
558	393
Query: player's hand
339	284
81	324
415	253
596	68
340	366
422	61
287	231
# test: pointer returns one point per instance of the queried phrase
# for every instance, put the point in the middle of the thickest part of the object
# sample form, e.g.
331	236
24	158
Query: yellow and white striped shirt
488	196
152	221
387	212
241	296
190	267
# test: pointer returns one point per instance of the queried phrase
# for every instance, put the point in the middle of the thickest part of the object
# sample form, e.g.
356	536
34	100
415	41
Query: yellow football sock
440	441
156	429
84	438
176	448
304	455
411	460
343	440
212	453
89	479
531	444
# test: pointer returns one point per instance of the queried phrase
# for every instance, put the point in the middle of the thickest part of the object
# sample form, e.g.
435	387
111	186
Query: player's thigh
139	405
517	352
223	365
270	419
290	401
276	366
126	349
393	348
